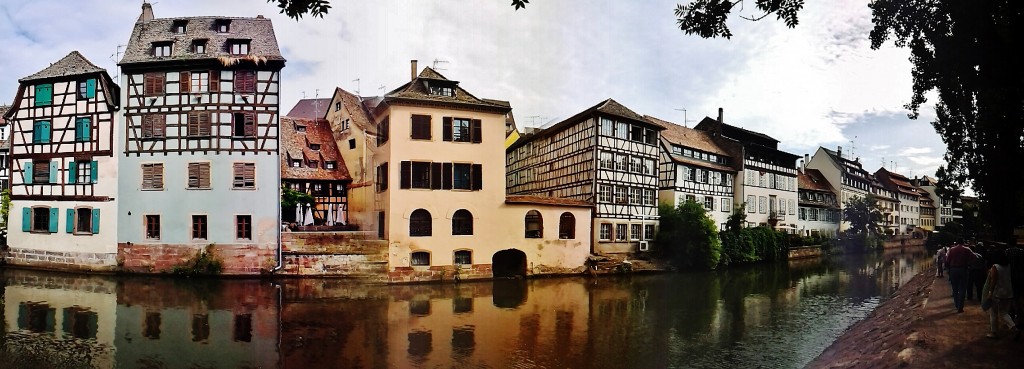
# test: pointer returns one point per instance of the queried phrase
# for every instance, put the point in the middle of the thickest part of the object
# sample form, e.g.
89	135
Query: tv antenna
853	146
115	56
357	86
533	119
685	121
436	62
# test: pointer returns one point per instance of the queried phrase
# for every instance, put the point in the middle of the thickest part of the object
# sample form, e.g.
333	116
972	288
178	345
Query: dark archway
509	293
509	263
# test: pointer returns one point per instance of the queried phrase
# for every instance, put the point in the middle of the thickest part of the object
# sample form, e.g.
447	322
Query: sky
819	84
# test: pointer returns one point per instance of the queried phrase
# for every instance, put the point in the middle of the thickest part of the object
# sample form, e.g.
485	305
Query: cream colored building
847	176
356	136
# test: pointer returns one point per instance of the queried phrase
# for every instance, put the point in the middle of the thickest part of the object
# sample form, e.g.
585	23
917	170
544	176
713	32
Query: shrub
205	262
687	237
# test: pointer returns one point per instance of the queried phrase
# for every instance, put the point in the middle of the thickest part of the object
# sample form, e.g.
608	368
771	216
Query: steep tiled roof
310	108
679	135
258	31
608	107
544	200
614	108
417	90
3	111
72	64
900	181
812	179
295	145
357	111
708	121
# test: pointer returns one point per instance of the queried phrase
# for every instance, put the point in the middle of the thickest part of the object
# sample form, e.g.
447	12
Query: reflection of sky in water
773	315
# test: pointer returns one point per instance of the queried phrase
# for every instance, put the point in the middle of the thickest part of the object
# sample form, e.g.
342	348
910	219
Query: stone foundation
805	252
342	254
237	259
61	260
439	273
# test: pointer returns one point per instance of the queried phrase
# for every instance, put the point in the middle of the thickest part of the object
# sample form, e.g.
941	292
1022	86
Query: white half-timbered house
818	209
64	167
909	210
699	167
200	163
845	175
769	187
888	203
5	150
606	155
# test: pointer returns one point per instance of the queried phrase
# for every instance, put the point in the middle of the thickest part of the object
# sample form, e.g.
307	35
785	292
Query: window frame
200	227
243	176
156	182
566	226
421	223
202	171
536	218
419	258
83	213
151	227
243	227
462	223
602	235
462	257
41	216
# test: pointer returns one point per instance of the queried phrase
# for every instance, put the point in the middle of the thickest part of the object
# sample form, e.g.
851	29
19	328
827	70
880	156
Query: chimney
413	69
721	120
807	159
147	12
801	166
839	152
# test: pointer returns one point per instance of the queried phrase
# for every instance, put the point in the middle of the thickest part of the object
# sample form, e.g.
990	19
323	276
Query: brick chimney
147	12
412	70
839	151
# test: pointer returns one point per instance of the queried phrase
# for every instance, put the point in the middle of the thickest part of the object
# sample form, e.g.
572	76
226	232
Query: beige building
437	158
846	175
356	136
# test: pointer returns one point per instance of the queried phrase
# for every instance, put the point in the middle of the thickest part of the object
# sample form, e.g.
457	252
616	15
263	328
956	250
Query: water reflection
777	315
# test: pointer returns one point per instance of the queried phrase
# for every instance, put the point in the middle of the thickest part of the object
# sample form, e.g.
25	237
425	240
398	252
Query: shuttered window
198	124
441	176
461	129
83	128
244	176
153	176
154	126
420	127
82	171
244	125
154	84
245	81
41	172
382	177
87	89
198	175
44	94
382	131
41	131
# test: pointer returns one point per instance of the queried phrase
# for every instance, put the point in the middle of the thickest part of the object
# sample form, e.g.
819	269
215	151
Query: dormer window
300	129
314	164
314	147
179	26
442	91
162	49
296	163
199	46
331	165
222	25
238	47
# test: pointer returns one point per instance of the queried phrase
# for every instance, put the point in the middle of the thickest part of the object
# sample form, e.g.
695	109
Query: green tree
863	214
687	237
291	198
737	219
318	8
964	51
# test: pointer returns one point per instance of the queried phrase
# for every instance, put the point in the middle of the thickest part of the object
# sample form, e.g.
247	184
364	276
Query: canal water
764	316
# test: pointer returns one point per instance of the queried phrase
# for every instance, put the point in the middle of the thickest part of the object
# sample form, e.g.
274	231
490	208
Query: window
803	214
82	171
162	49
154	84
442	91
792	206
620	232
44	94
154	126
314	147
87	89
605	232
607	127
197	81
351	144
238	47
330	165
152	227
420	223
199	46
83	129
634	164
762	205
243	227
621	162
606	160
461	176
636	196
86	221
649	231
420	258
382	177
199	225
245	176
296	163
244	125
42	172
222	25
153	176
621	192
337	106
604	193
383	129
534	224
462	222
648	197
41	131
648	166
463	257
751	203
199	175
43	219
691	198
420	127
420	174
245	81
198	124
314	164
567	226
726	205
636	133
651	137
461	129
622	130
179	26
634	232
709	203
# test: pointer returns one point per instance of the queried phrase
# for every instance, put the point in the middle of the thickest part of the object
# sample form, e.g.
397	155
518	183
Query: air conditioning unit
645	245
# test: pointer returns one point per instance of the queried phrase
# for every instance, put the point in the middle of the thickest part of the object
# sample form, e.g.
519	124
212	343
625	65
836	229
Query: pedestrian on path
940	261
977	271
957	259
999	289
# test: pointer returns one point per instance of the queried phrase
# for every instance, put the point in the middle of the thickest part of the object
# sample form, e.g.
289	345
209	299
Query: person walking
977	273
957	259
999	289
940	261
1015	257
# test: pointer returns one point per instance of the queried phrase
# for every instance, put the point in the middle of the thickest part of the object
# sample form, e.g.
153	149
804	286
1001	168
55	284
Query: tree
964	51
687	237
318	8
863	214
291	198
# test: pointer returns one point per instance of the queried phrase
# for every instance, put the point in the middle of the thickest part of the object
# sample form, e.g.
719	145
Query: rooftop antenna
316	103
357	86
685	121
303	94
436	62
381	88
115	56
853	146
533	120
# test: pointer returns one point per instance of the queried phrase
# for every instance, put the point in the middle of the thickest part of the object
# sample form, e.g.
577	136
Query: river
778	315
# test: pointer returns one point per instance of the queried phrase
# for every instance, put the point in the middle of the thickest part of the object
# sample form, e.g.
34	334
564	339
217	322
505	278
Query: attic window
442	91
199	46
238	47
296	163
314	164
179	26
314	147
222	25
330	165
161	49
300	128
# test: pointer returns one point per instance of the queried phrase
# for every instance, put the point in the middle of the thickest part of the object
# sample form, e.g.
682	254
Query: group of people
992	275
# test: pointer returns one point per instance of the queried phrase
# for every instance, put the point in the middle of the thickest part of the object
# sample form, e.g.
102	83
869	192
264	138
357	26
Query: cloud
878	147
915	151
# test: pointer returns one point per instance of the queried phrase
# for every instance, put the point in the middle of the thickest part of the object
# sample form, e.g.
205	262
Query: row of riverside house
426	182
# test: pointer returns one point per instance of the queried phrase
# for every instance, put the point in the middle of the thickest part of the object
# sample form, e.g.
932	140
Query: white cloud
915	151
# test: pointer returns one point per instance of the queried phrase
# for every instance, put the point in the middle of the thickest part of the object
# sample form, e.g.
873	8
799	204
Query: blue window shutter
71	221
44	94
86	128
37	131
26	219
28	173
95	221
53	219
90	88
44	131
72	173
53	171
94	171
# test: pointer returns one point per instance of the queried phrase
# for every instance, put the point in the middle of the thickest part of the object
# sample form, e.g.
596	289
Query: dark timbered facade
311	163
818	209
607	155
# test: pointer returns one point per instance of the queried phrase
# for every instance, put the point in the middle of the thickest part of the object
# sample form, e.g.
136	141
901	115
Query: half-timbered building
927	209
910	200
697	167
888	204
200	163
439	194
64	167
818	209
356	136
606	155
5	150
312	164
844	174
769	187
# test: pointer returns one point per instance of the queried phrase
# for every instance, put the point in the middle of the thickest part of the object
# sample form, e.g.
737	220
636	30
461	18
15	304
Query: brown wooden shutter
147	126
184	82
214	81
446	128
474	127
435	176
245	81
406	171
159	125
158	176
239	177
193	175
382	176
477	177
147	176
193	126
250	125
249	173
204	175
446	176
204	123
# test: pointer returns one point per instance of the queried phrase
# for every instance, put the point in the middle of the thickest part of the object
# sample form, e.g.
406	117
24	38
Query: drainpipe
280	257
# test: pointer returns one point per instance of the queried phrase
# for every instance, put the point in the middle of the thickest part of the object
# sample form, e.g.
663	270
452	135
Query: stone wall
805	252
236	259
343	254
63	260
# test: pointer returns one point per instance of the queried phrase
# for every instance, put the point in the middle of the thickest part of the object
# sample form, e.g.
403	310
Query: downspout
280	256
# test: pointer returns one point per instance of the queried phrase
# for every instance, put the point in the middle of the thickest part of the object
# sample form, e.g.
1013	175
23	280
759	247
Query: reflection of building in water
184	324
50	319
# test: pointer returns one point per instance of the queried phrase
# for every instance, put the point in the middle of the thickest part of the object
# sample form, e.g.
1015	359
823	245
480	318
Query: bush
747	245
203	263
687	237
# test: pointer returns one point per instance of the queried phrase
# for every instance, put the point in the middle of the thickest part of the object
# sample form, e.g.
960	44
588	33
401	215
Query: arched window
567	226
463	257
420	258
534	224
419	223
462	222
